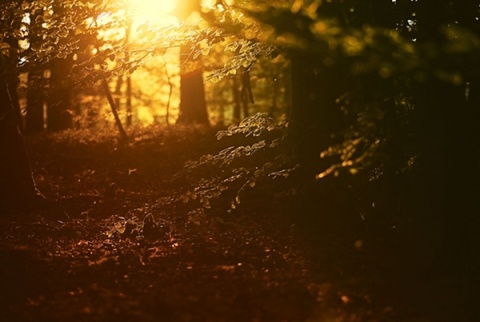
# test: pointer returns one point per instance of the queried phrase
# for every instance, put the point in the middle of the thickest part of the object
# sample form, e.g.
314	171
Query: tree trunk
128	103
17	187
246	93
170	91
34	121
447	125
276	91
315	114
193	106
113	107
237	101
59	100
118	92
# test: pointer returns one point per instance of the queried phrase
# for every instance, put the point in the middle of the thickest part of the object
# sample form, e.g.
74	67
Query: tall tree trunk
315	114
237	100
246	93
128	103
448	129
17	187
170	92
193	106
118	91
34	120
276	91
59	99
113	107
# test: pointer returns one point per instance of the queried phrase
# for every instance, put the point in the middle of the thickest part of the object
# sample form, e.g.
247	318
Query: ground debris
114	247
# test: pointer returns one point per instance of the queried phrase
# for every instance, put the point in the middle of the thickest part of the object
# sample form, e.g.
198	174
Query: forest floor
109	246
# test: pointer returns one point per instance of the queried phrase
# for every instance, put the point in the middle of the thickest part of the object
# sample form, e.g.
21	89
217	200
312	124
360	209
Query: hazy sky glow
152	10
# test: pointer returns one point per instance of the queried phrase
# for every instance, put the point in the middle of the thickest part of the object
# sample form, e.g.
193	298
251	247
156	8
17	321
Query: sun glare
152	10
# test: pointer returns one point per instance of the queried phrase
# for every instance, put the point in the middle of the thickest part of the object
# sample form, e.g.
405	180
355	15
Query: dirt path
76	270
245	269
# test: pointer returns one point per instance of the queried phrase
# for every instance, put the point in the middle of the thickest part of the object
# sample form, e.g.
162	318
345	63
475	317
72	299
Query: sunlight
152	10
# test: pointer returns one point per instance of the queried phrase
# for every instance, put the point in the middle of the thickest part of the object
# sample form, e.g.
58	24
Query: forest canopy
378	87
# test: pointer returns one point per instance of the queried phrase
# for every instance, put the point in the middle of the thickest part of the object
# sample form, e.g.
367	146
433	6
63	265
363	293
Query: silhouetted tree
193	106
16	183
59	106
34	119
389	89
35	48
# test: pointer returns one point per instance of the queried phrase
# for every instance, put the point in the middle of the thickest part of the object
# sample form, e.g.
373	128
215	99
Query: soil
108	244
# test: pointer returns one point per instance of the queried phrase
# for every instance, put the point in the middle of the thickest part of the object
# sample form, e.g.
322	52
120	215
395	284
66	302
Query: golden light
146	19
152	10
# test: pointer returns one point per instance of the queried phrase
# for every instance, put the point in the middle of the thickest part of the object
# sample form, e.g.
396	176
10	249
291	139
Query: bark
17	187
246	93
170	92
447	127
193	106
128	103
34	121
118	91
276	91
113	107
237	101
315	114
59	115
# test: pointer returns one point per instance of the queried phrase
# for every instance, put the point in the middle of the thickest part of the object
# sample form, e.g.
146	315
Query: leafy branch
260	157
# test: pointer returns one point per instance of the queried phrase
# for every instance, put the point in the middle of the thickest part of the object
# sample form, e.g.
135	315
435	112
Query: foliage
258	156
385	59
382	69
48	30
96	40
407	84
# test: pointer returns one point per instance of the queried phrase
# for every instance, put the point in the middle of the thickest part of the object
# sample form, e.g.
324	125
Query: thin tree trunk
170	92
276	90
118	91
129	80
113	107
246	92
237	101
118	122
128	104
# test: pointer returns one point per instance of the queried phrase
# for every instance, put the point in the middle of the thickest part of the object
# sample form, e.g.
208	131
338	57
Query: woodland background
240	160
